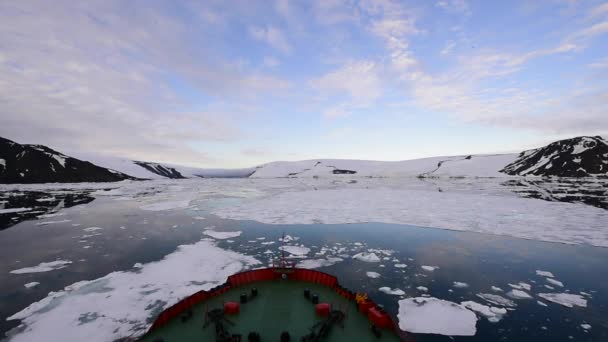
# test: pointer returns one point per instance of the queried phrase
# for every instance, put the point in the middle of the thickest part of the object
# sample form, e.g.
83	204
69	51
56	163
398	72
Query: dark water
131	235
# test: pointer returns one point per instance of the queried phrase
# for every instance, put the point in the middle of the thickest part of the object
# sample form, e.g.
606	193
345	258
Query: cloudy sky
238	83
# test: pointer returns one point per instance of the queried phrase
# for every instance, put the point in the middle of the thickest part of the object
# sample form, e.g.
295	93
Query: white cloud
454	6
90	75
358	79
271	62
272	36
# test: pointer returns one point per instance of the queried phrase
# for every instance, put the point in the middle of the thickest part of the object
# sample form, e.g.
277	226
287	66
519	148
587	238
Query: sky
240	83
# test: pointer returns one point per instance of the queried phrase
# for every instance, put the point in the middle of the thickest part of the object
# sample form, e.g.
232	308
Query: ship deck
279	306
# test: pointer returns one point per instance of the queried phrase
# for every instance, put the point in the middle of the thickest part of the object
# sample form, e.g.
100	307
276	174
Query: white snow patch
43	267
435	316
389	291
366	257
566	299
122	304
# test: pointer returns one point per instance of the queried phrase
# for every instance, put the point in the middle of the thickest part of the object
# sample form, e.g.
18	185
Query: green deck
280	306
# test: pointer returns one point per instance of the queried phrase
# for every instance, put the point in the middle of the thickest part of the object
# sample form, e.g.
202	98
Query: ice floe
389	291
317	263
422	288
496	289
518	294
484	213
459	284
122	304
566	299
295	250
544	274
496	299
43	267
493	314
521	286
222	235
366	257
168	205
555	282
372	274
428	315
400	265
92	229
429	268
13	210
32	284
586	326
46	223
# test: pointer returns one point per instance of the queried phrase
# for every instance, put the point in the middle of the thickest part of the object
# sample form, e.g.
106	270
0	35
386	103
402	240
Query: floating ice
92	229
43	267
373	274
541	303
123	304
429	268
394	292
422	288
521	286
555	282
460	284
496	289
52	222
493	314
544	273
435	316
367	257
317	263
32	284
13	210
586	326
168	205
496	299
518	294
566	299
400	265
221	235
295	250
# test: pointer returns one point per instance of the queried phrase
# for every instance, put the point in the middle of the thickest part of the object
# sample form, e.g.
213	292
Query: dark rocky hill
576	157
40	164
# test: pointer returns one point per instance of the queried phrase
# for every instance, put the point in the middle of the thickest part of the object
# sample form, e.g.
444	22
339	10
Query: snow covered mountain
576	157
151	170
40	164
454	166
